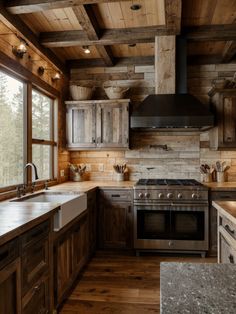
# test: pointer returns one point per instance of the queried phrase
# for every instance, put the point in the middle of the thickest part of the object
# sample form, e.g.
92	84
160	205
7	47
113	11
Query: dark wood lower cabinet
10	288
115	220
70	256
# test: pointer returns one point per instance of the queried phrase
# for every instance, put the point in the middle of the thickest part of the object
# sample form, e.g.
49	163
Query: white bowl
80	92
115	92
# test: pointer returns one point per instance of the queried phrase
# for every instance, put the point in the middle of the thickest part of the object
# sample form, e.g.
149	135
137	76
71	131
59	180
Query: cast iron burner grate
183	182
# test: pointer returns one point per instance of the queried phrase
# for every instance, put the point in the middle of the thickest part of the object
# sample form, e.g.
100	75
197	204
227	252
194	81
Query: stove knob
180	195
194	196
147	195
170	195
161	195
140	195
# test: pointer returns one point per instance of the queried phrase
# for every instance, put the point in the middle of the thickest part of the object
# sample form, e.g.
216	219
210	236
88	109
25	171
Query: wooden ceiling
115	33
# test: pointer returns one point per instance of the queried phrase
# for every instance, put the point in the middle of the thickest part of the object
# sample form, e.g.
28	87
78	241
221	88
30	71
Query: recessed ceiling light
135	7
132	45
86	49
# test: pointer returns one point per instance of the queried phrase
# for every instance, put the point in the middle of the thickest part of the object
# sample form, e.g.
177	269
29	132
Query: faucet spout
32	165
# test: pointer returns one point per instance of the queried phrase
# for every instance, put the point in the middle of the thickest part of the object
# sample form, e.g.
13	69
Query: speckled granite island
191	288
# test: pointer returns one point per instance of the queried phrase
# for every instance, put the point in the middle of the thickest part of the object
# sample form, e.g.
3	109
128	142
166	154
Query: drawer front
224	195
227	254
228	226
8	252
117	195
37	299
35	262
35	234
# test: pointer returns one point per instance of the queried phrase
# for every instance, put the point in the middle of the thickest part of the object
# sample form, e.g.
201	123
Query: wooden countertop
224	186
227	208
16	218
86	186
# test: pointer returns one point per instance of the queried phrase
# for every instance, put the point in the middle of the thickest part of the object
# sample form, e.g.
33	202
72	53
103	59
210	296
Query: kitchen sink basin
71	205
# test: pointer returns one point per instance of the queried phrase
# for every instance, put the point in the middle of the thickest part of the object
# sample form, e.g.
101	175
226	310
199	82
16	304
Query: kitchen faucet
34	169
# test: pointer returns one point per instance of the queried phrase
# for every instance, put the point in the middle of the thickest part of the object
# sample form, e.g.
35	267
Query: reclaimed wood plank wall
185	152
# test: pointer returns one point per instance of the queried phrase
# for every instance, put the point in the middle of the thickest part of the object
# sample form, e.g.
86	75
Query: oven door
171	226
187	222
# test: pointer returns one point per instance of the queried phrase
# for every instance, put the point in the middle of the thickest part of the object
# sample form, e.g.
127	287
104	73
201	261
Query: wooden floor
121	284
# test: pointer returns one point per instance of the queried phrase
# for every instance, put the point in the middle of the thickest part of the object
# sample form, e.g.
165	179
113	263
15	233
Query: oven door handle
189	204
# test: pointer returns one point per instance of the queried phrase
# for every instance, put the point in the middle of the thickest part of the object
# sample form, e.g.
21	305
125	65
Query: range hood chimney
169	111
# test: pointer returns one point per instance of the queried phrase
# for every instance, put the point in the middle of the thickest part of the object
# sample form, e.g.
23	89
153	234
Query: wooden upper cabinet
81	125
98	123
223	136
113	124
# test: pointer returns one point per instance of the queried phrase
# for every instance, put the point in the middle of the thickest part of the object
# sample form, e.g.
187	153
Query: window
43	144
11	130
18	143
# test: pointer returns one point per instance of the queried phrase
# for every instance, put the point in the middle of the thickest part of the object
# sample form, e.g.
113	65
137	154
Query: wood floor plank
121	284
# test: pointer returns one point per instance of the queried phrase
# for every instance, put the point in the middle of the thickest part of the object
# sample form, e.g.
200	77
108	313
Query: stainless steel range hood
169	112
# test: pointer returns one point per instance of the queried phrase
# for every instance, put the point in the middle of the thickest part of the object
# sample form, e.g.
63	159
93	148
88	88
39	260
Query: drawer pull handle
231	259
227	228
36	288
4	255
115	195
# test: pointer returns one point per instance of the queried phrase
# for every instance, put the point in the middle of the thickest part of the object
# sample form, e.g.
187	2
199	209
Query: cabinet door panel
64	265
81	126
10	288
80	245
112	125
116	227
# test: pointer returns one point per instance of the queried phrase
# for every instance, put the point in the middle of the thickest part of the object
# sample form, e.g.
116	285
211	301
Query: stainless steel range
170	215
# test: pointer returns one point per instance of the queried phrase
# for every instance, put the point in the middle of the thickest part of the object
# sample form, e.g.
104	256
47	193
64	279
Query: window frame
52	143
28	141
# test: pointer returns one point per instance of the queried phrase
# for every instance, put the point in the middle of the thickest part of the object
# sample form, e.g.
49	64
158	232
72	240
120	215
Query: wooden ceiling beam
90	63
210	32
18	26
90	26
30	6
173	13
108	37
229	51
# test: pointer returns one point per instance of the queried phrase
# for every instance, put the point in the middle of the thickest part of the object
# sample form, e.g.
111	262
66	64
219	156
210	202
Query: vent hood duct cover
171	111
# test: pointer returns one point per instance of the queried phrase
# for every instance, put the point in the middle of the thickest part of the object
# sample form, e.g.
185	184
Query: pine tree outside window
11	130
28	131
43	135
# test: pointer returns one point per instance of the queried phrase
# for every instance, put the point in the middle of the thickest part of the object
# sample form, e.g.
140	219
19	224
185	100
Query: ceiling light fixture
136	7
55	77
21	49
86	49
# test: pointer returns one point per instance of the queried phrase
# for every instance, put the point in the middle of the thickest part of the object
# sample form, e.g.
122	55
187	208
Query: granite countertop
194	288
16	218
227	208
